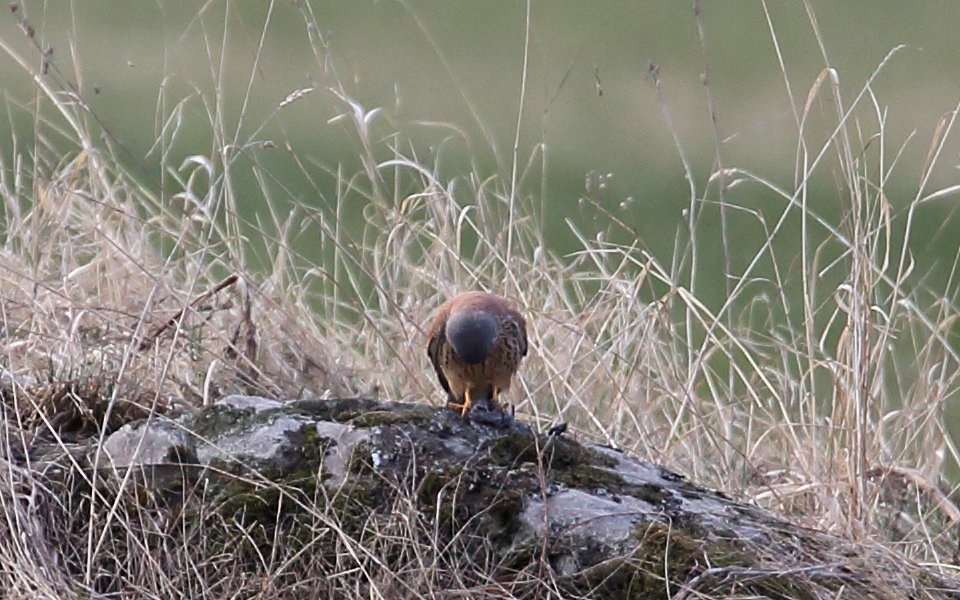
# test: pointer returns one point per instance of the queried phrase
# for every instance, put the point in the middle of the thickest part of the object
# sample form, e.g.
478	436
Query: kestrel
476	343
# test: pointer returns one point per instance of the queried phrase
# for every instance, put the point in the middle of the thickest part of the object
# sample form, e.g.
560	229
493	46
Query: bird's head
471	334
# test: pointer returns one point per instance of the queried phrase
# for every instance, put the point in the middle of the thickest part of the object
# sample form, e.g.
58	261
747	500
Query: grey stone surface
274	441
570	512
254	403
143	443
343	440
589	511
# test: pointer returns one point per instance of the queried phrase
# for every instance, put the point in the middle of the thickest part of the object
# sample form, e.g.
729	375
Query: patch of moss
502	510
587	476
621	580
671	558
314	446
251	519
340	410
664	558
513	449
476	499
251	502
570	464
419	416
361	461
433	483
654	494
516	447
285	508
218	419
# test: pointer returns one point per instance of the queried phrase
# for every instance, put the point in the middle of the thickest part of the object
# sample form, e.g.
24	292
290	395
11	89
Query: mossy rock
376	484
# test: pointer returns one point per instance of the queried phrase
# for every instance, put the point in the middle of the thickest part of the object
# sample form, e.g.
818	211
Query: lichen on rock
343	479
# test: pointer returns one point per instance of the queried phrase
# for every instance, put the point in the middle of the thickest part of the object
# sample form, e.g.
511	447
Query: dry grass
816	388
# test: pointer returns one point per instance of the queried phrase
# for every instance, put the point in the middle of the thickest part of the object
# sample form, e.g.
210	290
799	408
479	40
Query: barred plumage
476	343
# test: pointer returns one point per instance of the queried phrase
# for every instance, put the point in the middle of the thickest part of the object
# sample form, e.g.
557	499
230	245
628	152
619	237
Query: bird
475	343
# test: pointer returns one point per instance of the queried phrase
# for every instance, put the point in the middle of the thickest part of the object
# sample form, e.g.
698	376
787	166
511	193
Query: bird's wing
523	334
437	339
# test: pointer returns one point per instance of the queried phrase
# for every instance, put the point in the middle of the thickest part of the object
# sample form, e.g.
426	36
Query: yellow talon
467	403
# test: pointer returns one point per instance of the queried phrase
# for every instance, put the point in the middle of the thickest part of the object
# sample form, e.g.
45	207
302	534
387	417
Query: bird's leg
495	398
463	408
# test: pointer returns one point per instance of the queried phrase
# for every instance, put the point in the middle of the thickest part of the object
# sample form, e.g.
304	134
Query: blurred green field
589	99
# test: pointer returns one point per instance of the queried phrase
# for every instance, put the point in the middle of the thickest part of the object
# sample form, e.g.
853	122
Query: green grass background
426	60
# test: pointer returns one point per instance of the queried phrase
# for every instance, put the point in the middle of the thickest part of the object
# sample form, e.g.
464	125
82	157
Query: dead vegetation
817	387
